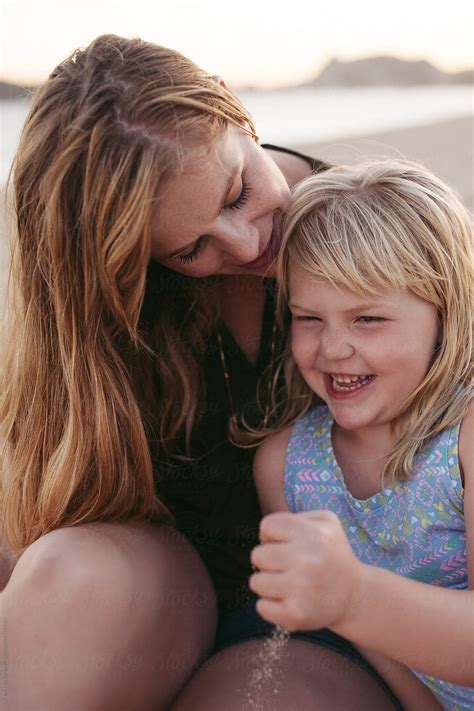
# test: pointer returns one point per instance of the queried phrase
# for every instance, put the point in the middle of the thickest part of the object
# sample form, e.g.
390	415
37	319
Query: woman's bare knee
94	614
289	676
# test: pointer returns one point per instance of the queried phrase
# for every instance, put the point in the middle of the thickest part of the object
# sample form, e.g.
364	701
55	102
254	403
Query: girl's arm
312	579
411	692
269	478
435	626
269	469
425	627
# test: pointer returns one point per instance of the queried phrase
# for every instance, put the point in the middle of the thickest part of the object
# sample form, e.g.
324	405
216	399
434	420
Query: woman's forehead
194	197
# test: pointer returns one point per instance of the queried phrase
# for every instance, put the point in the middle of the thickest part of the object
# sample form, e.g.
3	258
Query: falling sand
264	679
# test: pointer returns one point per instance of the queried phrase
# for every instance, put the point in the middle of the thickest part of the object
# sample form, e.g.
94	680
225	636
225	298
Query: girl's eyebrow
366	307
223	202
297	306
360	307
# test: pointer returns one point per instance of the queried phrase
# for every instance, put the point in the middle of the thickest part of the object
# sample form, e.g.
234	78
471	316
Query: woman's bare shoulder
292	166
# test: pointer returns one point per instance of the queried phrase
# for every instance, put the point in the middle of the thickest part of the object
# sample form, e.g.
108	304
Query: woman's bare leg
104	616
301	676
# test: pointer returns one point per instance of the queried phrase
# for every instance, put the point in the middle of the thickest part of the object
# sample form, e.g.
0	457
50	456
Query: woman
137	172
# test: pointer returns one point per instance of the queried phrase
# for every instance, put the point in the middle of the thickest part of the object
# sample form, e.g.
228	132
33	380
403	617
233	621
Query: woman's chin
268	272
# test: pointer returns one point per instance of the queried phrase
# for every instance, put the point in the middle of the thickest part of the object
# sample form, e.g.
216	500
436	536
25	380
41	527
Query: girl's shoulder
270	460
466	461
466	446
269	470
271	454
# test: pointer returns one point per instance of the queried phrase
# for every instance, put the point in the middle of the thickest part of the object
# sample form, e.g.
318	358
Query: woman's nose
335	345
241	242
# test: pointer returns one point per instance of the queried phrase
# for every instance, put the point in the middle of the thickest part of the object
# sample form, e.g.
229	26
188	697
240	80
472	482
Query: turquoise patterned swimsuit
414	528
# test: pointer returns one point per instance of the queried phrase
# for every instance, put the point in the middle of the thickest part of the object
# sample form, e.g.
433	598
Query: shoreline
445	147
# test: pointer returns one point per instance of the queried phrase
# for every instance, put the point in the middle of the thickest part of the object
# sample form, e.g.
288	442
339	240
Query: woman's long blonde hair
380	226
94	330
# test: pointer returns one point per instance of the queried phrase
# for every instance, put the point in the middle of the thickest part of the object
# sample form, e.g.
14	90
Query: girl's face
222	214
362	355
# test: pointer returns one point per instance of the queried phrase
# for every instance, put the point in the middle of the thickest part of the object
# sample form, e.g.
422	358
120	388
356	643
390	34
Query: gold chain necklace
233	413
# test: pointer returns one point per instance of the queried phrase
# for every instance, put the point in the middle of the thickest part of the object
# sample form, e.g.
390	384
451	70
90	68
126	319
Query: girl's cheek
303	349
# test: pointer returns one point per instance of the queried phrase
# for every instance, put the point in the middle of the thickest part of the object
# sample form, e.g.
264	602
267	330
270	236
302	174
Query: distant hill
388	71
370	71
13	91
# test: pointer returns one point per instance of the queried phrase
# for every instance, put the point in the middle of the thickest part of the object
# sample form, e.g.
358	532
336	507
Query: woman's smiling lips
270	251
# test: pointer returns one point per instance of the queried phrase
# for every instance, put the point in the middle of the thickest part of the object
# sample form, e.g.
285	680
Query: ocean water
294	117
305	115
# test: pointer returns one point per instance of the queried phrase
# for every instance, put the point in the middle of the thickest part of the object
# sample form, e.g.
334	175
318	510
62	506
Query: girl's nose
335	345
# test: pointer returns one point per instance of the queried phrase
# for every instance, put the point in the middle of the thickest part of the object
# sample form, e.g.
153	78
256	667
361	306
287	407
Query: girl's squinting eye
371	319
306	318
191	256
242	199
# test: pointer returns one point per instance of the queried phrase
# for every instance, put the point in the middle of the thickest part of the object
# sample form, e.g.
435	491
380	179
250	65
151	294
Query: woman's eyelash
239	202
242	199
191	256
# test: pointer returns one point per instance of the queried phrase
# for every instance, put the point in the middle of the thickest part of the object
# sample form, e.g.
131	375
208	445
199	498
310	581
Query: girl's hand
307	573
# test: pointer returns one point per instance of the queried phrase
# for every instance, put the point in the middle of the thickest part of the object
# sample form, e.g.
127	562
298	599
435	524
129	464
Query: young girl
376	268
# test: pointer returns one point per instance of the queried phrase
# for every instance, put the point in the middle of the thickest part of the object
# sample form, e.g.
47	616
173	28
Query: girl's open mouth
350	382
342	385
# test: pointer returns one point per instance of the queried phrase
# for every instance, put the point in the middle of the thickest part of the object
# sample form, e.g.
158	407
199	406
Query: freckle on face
398	352
192	208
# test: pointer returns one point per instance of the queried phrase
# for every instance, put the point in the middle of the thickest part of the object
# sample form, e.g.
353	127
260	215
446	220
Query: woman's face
222	214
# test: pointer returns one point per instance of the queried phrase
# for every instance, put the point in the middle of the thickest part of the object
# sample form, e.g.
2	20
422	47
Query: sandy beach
447	148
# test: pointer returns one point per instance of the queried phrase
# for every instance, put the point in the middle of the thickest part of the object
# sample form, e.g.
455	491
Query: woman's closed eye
234	205
191	256
241	199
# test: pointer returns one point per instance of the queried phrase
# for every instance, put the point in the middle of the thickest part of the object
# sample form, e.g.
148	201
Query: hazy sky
260	42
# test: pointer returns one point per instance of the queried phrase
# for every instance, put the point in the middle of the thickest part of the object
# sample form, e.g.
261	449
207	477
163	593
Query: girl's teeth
353	382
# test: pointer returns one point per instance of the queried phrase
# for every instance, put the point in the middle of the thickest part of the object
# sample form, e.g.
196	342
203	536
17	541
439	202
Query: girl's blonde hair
94	328
376	227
